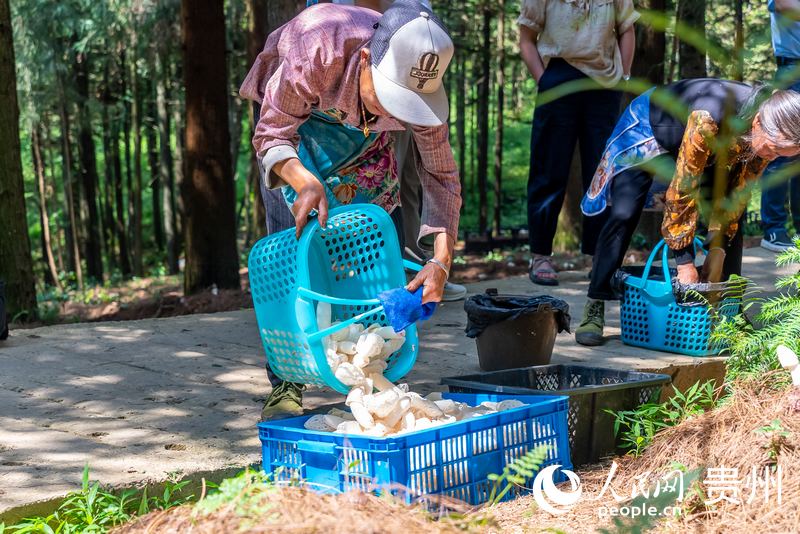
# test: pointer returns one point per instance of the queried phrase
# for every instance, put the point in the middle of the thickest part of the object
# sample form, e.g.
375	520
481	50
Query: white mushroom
380	382
390	347
373	327
375	366
333	421
349	427
387	333
397	413
382	404
323	315
435	396
448	406
341	334
355	401
349	375
346	347
425	407
377	431
319	424
336	412
354	331
509	404
409	422
369	345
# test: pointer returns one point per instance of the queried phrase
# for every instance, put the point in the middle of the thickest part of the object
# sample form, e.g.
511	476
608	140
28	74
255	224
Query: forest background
130	154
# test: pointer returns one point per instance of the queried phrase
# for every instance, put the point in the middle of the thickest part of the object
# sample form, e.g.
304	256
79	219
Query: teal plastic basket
346	263
651	318
454	460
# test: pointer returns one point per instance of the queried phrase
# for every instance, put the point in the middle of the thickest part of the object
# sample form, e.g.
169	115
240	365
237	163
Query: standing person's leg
773	209
628	197
600	113
553	137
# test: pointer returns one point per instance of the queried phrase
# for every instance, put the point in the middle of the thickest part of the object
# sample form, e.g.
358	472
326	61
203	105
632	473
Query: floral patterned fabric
354	168
694	156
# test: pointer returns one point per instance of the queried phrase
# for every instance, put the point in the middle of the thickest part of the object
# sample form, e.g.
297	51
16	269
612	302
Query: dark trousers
628	196
587	117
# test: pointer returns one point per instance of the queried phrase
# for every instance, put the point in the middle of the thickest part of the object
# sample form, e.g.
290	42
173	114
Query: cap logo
426	69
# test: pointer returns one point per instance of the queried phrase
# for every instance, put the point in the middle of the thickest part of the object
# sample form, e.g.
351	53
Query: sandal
542	271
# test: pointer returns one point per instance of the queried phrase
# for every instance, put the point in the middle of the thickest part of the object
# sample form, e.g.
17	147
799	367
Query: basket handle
313	295
662	245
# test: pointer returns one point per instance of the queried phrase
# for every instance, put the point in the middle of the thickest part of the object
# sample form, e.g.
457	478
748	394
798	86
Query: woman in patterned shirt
721	135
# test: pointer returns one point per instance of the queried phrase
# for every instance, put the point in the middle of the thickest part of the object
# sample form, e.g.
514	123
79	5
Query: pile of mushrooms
358	357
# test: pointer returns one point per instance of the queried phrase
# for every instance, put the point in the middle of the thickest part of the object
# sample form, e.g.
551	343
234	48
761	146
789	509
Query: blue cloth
785	33
404	308
632	143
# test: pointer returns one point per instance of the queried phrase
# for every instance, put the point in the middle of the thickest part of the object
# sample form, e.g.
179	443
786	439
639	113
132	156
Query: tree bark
165	164
208	192
155	173
692	61
739	40
119	205
16	264
461	103
73	238
483	120
501	97
88	162
651	47
39	166
136	191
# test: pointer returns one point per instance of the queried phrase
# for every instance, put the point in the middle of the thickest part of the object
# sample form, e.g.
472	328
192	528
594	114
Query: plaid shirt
312	62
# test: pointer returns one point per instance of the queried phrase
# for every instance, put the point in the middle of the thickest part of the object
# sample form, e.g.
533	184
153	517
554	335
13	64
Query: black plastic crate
591	391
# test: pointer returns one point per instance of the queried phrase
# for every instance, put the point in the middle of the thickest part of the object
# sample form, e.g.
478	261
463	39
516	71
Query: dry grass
727	437
295	510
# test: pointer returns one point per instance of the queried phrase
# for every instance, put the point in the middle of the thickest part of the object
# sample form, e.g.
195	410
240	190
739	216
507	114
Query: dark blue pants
774	214
587	117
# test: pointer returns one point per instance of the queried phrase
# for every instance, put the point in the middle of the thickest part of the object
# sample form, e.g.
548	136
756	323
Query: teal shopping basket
347	263
651	318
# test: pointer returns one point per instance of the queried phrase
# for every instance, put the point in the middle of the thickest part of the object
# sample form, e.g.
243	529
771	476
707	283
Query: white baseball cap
410	52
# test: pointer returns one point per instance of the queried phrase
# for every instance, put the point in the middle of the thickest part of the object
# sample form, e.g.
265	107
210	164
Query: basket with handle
346	264
651	317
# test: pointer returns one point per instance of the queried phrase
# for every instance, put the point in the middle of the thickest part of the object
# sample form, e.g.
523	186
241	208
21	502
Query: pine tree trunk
483	121
119	205
739	39
461	123
109	234
651	47
692	61
73	238
41	181
48	148
136	191
16	264
165	164
208	192
88	162
155	176
501	96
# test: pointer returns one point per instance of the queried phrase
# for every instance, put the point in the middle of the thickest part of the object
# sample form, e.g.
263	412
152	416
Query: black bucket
515	330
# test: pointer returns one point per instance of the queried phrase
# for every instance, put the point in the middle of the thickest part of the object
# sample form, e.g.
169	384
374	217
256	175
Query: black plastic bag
491	308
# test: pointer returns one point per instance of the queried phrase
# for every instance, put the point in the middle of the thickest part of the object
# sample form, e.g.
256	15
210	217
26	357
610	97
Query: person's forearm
529	52
293	173
627	47
443	246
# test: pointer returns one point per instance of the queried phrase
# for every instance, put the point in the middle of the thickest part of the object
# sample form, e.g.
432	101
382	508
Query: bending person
700	144
333	84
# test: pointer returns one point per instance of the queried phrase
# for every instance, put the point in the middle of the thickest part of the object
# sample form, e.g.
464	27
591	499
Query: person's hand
310	193
687	274
432	278
311	196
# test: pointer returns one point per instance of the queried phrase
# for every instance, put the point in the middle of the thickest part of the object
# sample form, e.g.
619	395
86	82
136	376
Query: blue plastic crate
452	460
651	318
